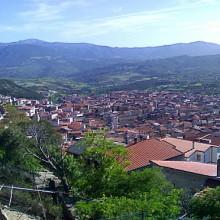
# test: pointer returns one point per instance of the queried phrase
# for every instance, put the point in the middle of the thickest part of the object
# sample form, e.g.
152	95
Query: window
198	157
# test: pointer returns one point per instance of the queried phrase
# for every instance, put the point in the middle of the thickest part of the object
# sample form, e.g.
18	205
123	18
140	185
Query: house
195	151
76	150
66	121
76	126
213	138
6	99
141	153
192	176
64	132
95	124
29	110
1	116
23	102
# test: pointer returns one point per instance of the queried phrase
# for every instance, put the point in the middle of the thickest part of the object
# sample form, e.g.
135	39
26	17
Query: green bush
206	204
151	205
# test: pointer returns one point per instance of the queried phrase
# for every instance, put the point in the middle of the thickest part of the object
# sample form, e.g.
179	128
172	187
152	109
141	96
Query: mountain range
90	63
91	51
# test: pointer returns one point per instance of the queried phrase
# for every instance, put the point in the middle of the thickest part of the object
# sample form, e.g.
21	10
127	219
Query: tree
97	169
45	145
35	144
13	116
154	203
106	190
15	164
26	146
97	179
206	204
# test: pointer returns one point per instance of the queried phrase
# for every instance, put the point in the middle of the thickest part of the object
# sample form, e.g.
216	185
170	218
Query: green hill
9	88
33	58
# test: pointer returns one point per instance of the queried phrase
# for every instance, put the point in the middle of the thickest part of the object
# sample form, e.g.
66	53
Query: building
141	153
192	176
195	151
29	110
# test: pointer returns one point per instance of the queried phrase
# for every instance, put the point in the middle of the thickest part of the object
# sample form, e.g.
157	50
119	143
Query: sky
121	23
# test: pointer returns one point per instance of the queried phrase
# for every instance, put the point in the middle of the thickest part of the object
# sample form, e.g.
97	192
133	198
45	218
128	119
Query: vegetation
25	59
105	190
97	179
192	74
56	87
9	88
155	202
206	204
85	68
22	157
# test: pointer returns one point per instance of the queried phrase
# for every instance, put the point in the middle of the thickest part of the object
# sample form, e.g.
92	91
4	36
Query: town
110	110
179	132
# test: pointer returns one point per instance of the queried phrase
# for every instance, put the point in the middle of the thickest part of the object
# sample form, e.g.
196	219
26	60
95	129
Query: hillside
34	58
182	66
9	88
179	73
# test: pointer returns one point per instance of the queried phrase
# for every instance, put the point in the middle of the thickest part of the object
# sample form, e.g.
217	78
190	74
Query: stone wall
189	181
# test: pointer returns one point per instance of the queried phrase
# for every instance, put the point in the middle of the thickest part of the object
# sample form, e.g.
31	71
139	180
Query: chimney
141	137
193	144
126	137
218	168
38	117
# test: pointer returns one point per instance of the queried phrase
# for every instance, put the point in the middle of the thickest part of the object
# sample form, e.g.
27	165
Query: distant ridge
197	48
37	41
37	58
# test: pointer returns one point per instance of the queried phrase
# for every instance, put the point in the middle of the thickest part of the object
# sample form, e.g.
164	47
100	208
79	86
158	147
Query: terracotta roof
213	139
25	107
126	130
75	126
186	146
191	167
141	153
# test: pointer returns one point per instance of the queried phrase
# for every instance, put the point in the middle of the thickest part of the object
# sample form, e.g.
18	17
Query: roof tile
141	153
191	167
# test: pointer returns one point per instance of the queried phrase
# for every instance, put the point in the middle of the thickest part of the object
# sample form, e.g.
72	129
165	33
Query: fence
31	201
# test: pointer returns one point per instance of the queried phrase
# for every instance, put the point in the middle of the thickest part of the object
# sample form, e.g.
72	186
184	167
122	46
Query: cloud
207	27
117	9
208	1
123	23
55	18
7	28
49	10
126	23
184	4
45	15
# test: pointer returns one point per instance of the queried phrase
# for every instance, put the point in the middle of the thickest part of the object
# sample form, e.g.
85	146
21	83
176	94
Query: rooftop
191	167
186	146
141	153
